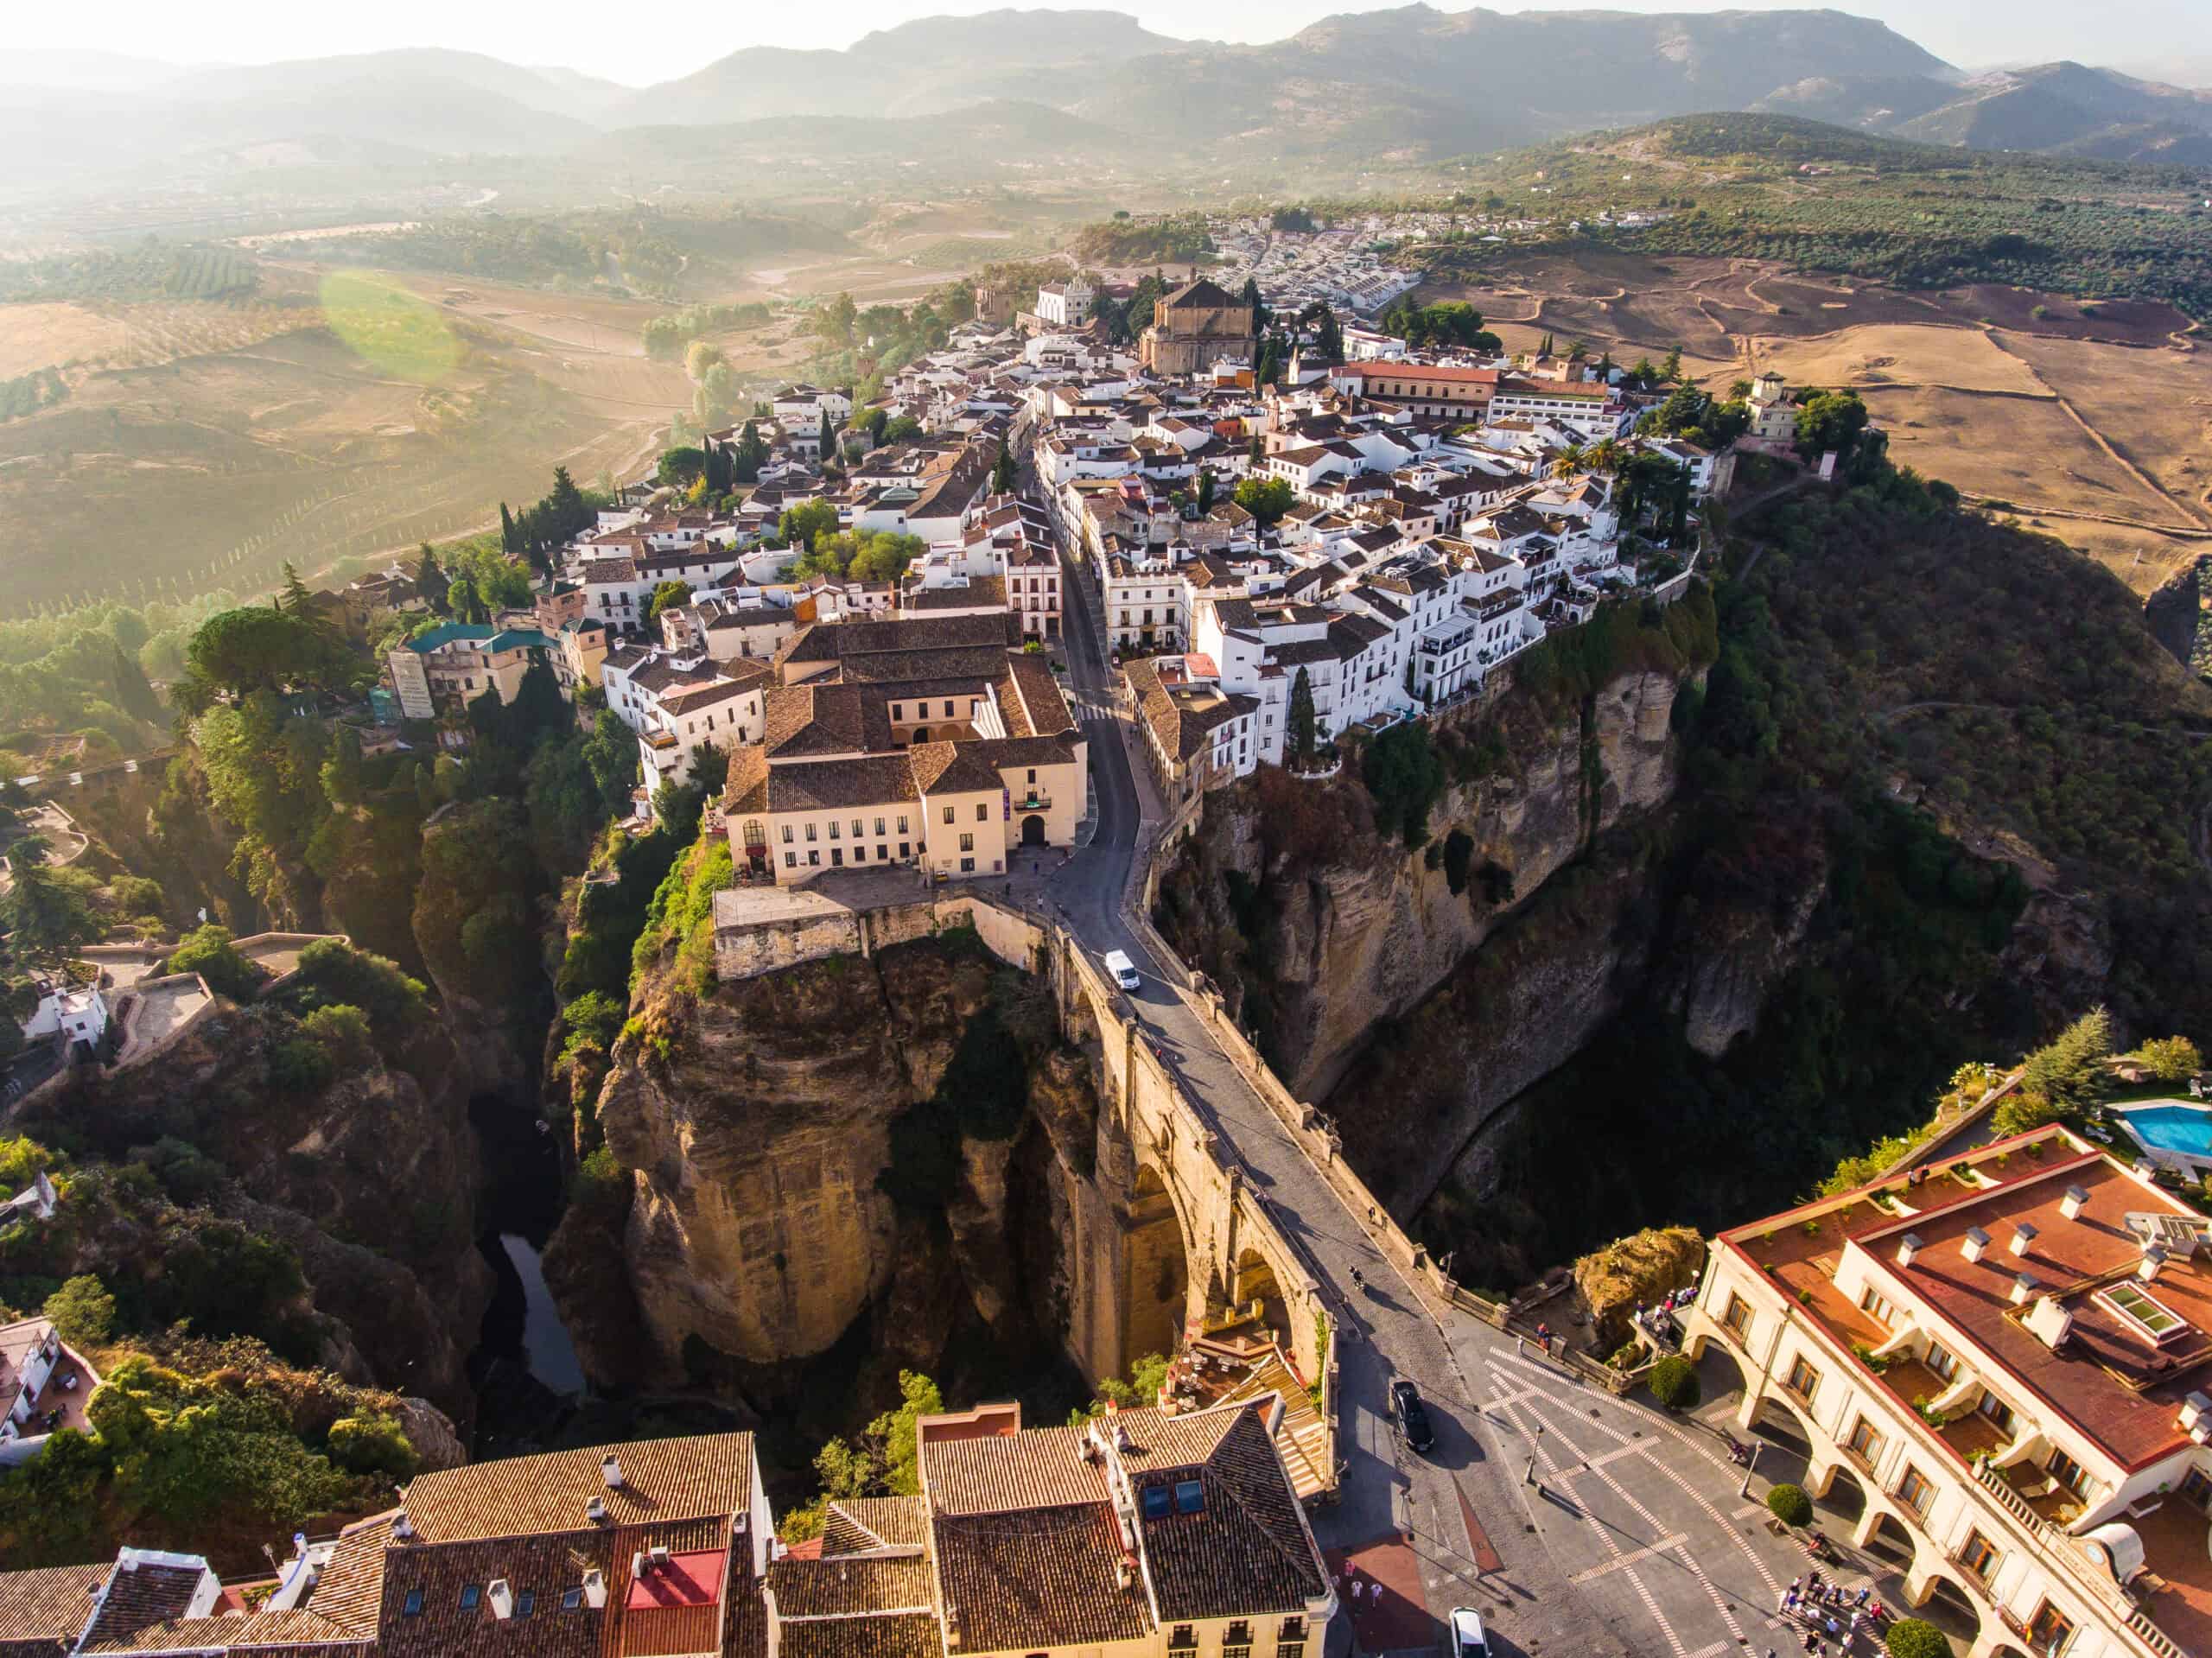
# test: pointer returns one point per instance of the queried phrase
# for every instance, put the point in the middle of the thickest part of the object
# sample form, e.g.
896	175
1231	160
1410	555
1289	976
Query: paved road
1634	1542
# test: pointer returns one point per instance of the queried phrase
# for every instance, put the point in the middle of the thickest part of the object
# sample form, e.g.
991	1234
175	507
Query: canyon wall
759	1121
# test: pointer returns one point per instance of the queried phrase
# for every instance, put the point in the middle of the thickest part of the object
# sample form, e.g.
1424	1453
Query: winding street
1633	1539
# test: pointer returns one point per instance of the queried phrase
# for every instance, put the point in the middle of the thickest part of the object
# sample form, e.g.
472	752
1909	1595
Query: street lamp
1529	1475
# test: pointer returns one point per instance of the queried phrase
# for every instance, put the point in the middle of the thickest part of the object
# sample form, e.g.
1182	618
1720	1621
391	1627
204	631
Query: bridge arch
1255	1279
1155	1268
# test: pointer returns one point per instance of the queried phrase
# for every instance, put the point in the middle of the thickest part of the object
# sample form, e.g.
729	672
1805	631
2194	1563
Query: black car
1411	1415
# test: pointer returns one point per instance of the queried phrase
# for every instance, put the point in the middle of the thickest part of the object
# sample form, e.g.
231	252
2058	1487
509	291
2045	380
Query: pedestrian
1788	1597
1864	1590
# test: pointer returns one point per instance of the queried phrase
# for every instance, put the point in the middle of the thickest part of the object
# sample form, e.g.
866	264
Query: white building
1066	304
2003	1358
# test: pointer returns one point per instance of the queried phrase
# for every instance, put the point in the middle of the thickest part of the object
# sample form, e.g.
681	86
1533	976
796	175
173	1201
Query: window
1189	1497
878	827
1978	1555
814	860
1941	1362
967	865
809	831
2196	1488
903	851
858	831
2049	1630
902	822
948	709
1032	774
897	711
1158	1501
838	856
756	833
1877	1303
2144	1314
1804	1381
833	828
1999	1412
526	1603
571	1598
1865	1443
967	842
982	811
1914	1490
1184	1640
470	1594
1237	1639
412	1607
948	814
790	860
882	854
2069	1473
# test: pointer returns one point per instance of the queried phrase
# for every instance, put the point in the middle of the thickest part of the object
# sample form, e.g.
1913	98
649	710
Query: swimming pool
2182	1132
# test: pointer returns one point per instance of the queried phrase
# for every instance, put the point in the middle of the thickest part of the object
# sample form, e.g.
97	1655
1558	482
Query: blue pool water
2186	1129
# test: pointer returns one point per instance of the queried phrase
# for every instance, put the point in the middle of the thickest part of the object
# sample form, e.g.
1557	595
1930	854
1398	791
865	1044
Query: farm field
213	470
1974	384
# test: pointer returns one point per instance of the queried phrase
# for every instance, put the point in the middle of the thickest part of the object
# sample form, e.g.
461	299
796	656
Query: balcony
1034	802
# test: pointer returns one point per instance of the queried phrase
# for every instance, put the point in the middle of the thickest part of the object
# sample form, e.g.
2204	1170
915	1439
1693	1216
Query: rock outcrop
371	1181
1359	936
1635	1271
758	1120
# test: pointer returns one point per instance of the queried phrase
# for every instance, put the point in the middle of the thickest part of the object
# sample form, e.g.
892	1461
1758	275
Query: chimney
595	1510
2072	1204
1973	1243
2146	1169
2153	1259
2049	1321
2023	1286
596	1587
1125	1573
1908	1246
402	1527
610	1470
657	1557
2023	1235
2196	1409
502	1598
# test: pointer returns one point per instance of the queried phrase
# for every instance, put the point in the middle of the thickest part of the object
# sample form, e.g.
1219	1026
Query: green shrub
1916	1637
82	1311
372	1444
1674	1382
1789	1504
208	951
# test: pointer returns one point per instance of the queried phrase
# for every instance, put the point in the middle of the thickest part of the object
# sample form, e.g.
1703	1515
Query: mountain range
1412	83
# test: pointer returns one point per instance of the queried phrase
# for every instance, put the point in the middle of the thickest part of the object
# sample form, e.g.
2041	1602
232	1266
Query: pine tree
431	581
133	694
507	534
1301	718
1205	491
1004	475
569	511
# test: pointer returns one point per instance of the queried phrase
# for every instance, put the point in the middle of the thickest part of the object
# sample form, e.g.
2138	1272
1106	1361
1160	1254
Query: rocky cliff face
1360	934
371	1181
757	1119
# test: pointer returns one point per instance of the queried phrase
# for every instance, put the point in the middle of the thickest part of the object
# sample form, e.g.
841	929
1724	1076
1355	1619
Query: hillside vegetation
1826	198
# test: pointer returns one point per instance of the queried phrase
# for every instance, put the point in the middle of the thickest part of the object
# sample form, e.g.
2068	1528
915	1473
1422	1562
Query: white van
1123	969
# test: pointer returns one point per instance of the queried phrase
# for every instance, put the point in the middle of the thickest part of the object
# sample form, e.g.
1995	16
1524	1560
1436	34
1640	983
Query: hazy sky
2172	37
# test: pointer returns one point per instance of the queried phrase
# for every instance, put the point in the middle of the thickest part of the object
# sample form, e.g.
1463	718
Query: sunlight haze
686	36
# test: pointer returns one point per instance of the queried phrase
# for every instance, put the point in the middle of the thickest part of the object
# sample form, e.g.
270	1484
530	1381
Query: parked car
1123	969
1467	1639
1411	1415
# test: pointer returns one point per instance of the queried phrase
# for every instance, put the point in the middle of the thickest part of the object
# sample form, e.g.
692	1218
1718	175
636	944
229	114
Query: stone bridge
1176	1236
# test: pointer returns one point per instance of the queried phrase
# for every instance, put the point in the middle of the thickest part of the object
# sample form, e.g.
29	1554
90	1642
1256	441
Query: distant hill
2064	109
1412	84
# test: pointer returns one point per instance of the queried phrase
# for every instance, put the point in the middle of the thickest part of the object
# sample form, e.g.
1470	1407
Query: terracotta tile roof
843	1587
352	1586
812	718
821	786
1043	702
702	1475
1046	1578
951	768
434	1581
42	1613
293	1633
1041	1468
857	1523
747	790
1246	1552
907	1634
138	1599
